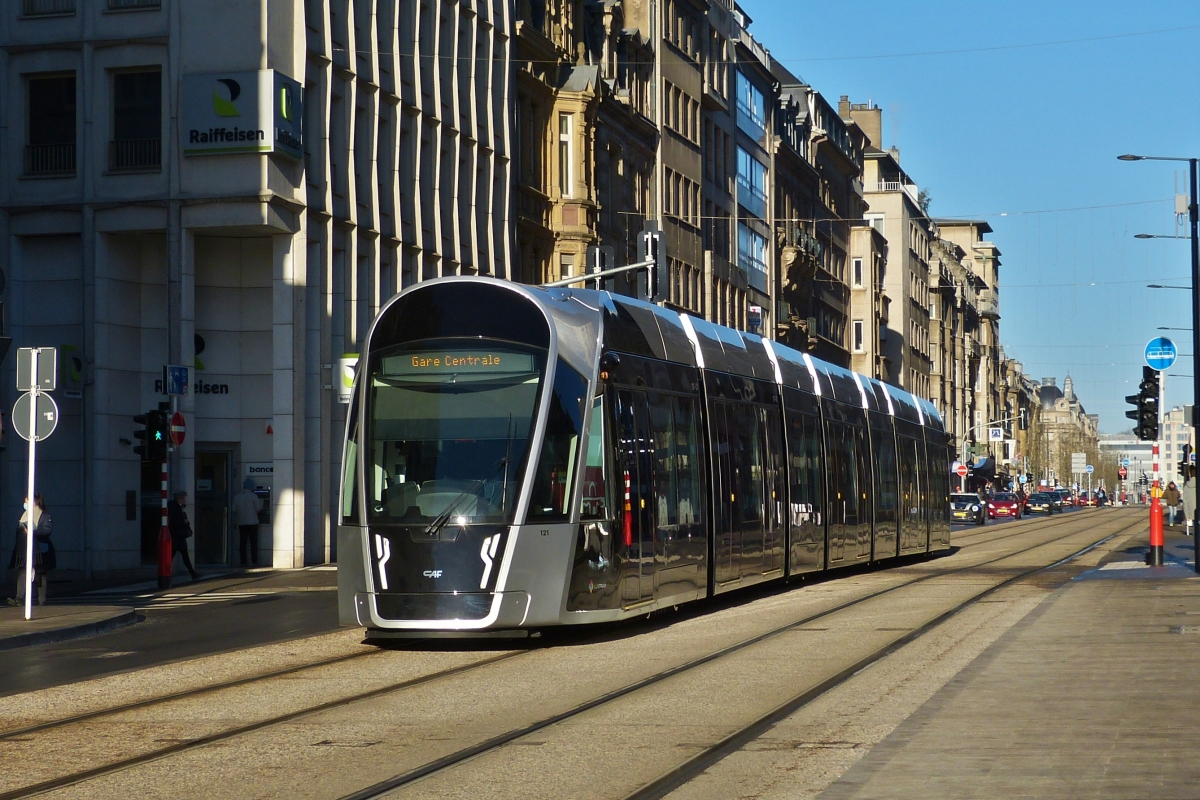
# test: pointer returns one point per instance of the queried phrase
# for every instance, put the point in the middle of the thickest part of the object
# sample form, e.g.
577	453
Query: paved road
191	620
598	716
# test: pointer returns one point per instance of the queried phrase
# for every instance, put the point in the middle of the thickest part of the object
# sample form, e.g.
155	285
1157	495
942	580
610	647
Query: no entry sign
178	429
1124	473
962	470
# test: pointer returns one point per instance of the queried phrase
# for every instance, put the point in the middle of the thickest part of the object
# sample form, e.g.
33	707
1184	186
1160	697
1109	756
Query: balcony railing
122	5
47	8
135	154
50	159
909	189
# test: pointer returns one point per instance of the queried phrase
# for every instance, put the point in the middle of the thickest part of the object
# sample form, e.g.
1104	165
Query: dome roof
1050	395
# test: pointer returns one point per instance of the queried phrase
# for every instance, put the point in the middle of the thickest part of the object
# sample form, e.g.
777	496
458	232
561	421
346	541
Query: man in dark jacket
180	530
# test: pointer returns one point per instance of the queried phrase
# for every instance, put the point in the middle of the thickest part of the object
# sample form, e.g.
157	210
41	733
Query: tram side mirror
608	365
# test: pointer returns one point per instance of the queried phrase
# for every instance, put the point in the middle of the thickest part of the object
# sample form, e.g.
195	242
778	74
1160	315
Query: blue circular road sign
1161	353
1124	462
1090	469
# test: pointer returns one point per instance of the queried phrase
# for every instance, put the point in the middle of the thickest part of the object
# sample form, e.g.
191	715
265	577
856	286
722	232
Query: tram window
662	435
908	480
449	429
885	459
551	496
843	468
746	467
687	462
594	504
350	470
804	445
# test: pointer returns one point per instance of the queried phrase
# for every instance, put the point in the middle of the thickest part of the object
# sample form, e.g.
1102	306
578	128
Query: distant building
1066	428
1175	434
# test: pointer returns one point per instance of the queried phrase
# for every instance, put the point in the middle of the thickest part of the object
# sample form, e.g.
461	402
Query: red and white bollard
1155	556
165	556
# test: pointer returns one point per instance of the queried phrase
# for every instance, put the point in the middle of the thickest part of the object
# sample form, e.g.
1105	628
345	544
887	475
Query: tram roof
635	326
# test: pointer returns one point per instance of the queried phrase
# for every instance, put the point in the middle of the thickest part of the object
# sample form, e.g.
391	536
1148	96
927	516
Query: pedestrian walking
44	557
245	515
1189	498
181	530
1171	499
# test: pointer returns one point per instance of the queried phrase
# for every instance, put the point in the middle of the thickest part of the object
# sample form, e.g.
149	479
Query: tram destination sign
458	362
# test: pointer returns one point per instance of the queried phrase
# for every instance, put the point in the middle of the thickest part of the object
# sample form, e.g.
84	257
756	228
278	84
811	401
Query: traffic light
1146	400
652	247
153	435
1023	419
1186	462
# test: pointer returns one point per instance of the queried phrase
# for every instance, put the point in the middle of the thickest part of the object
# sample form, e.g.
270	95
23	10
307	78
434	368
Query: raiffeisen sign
242	112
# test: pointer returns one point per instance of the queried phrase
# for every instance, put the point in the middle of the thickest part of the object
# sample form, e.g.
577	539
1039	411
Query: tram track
213	688
459	756
668	782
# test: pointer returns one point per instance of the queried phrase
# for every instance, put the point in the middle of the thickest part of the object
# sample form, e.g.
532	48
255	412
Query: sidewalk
58	623
1091	695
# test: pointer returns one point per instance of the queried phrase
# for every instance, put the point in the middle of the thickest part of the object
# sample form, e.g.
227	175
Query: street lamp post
1194	219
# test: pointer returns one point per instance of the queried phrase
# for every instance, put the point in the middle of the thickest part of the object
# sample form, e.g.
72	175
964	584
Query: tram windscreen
449	430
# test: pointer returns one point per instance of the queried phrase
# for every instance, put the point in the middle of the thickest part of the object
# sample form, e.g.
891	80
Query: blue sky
1023	129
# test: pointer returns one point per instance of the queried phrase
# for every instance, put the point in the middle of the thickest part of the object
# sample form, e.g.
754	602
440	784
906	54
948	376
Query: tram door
635	497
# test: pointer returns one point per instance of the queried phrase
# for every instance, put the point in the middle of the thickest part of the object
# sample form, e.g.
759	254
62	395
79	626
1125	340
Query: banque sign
242	112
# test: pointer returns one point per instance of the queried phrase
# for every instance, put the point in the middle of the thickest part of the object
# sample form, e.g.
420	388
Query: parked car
1005	504
1042	502
969	508
1087	499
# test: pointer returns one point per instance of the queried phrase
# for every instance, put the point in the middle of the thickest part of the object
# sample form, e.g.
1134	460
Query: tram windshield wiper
441	519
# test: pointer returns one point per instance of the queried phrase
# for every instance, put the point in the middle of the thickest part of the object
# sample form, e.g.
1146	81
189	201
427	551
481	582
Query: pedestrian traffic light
1186	461
153	435
652	248
1023	419
1146	400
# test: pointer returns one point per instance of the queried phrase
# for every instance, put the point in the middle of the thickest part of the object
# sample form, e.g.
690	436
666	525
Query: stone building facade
236	192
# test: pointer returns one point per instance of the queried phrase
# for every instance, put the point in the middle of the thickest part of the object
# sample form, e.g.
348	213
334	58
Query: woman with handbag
44	557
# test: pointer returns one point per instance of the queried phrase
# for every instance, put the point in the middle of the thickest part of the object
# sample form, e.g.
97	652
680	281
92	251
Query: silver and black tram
518	458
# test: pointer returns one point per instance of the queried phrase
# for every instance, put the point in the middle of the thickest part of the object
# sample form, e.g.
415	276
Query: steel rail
460	756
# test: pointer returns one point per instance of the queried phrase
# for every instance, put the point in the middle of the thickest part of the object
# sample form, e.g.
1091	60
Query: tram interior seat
399	497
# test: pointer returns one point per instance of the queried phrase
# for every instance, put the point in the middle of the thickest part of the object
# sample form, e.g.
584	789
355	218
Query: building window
50	142
858	335
47	8
137	121
752	256
133	5
752	184
752	109
877	223
565	155
858	273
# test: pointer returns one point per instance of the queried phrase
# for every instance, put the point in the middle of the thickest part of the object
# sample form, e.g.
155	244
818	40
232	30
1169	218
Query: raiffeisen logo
223	107
226	92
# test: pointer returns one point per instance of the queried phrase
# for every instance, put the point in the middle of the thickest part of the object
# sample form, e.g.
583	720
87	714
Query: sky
1015	112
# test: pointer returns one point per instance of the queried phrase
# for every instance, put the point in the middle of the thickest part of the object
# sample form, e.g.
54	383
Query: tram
518	458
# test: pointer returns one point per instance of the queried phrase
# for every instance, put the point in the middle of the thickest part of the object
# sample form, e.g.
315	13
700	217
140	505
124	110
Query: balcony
909	189
135	155
47	8
133	5
50	159
988	305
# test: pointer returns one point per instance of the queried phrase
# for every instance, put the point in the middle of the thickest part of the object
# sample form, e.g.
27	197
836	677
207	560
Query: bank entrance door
210	519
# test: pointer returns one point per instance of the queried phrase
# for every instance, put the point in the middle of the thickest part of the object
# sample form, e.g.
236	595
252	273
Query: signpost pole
30	503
